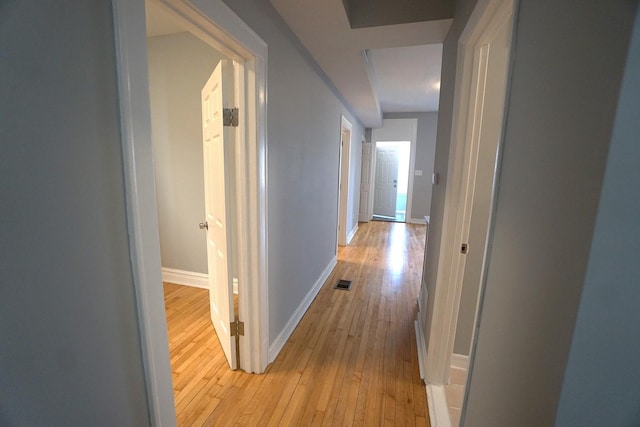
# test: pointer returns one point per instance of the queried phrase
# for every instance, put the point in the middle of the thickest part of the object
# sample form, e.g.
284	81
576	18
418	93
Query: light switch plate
418	172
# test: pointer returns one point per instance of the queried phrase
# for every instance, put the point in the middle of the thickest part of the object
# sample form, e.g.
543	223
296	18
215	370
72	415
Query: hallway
351	361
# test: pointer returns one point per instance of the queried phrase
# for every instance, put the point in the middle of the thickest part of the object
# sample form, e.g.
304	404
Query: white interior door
386	188
217	212
365	183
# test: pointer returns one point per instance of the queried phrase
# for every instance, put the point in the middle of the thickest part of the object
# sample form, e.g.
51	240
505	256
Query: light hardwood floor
351	361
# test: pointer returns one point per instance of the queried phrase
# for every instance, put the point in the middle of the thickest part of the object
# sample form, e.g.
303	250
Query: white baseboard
286	332
417	221
438	408
190	278
460	361
352	233
187	278
421	346
423	300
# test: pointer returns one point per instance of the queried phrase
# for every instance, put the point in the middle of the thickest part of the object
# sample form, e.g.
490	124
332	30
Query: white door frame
343	180
466	115
218	25
408	132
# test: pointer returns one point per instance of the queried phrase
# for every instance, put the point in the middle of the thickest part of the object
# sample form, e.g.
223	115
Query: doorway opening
472	177
221	28
180	64
391	180
343	182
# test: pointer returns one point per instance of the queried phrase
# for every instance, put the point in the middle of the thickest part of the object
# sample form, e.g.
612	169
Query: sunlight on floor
397	249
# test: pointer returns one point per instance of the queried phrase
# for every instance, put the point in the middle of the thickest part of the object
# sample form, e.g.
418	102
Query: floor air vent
345	285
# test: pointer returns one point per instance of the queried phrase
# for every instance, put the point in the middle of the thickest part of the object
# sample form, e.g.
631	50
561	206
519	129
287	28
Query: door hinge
464	249
230	117
237	328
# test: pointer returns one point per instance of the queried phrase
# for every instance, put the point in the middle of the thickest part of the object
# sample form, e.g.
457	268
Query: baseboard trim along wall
187	278
438	409
352	233
190	278
417	221
460	361
436	397
283	336
421	346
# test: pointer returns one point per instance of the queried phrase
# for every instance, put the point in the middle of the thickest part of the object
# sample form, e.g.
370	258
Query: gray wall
70	352
302	161
179	66
424	159
567	67
602	376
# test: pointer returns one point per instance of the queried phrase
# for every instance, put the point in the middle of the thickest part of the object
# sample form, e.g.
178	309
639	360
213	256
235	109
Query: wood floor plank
352	360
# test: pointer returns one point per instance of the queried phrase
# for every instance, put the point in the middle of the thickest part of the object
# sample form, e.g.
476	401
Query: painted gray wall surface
70	352
424	159
463	10
179	66
601	380
303	143
568	63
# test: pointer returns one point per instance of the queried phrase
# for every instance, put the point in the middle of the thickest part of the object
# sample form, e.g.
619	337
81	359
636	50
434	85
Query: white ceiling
407	79
385	69
386	79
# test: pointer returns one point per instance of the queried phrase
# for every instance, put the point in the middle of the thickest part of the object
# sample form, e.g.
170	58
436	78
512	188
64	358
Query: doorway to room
218	26
391	180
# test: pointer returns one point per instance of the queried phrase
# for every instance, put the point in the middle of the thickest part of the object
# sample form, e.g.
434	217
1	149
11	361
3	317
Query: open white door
386	190
216	177
365	183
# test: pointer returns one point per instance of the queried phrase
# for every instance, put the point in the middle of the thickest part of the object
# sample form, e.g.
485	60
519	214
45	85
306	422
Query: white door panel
216	182
386	188
365	183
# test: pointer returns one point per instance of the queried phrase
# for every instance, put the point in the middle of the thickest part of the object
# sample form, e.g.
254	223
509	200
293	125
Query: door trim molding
343	181
438	406
218	25
448	290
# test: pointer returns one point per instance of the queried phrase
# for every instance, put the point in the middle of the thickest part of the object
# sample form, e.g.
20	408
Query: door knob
204	225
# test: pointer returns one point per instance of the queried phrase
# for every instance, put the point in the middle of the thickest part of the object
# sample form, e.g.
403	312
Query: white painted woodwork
472	96
343	180
386	188
365	183
216	182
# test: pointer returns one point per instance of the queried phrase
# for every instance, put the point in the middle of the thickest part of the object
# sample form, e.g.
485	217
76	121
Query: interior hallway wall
601	380
561	107
71	352
179	66
303	143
